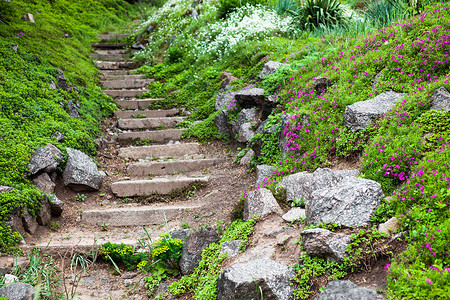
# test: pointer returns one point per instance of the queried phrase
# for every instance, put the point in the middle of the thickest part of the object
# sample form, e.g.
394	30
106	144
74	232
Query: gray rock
56	205
28	17
172	39
324	243
321	84
181	234
193	247
302	185
260	202
139	45
194	14
263	172
345	290
376	79
282	140
5	189
350	203
14	48
62	83
73	111
231	248
270	67
222	99
221	123
15	221
262	130
17	291
389	226
227	78
129	275
440	99
247	158
361	114
245	133
45	214
52	86
81	173
293	214
9	278
29	222
45	159
44	183
245	116
250	98
58	136
248	280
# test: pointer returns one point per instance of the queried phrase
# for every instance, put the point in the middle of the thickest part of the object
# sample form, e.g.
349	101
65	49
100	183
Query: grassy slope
29	110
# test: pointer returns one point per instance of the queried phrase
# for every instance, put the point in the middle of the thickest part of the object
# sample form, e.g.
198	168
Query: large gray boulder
222	99
248	280
17	291
345	290
45	159
302	185
263	172
44	183
221	123
245	116
361	114
270	67
324	243
440	99
81	173
250	97
350	203
245	133
192	249
260	202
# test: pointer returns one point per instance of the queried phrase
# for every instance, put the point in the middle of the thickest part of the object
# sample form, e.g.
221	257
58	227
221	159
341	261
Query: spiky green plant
313	13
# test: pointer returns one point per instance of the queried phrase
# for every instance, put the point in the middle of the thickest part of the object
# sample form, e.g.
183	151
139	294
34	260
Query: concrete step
114	65
125	93
124	114
142	169
121	77
136	104
126	84
173	150
114	51
133	188
149	123
134	216
110	57
103	45
112	37
120	72
158	136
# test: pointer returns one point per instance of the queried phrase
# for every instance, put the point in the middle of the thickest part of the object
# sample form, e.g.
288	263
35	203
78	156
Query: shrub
315	13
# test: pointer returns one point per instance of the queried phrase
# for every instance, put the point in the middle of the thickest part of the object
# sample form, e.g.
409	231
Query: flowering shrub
167	250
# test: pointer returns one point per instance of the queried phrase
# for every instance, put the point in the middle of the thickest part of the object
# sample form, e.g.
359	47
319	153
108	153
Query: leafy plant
315	13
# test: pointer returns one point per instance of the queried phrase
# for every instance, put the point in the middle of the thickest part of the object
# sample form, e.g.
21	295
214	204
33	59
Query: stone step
126	84
113	51
125	93
110	57
137	104
114	65
134	216
133	188
112	37
124	114
158	136
119	72
172	150
113	77
142	169
103	45
149	123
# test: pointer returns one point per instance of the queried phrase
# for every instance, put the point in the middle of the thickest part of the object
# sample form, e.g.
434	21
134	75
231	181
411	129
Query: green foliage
315	13
167	250
123	255
383	12
351	143
174	54
227	6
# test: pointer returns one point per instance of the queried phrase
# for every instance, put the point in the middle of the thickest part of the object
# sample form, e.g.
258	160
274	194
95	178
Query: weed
53	225
185	225
80	197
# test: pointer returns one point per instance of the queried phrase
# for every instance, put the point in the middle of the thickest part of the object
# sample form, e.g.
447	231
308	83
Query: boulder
245	133
248	280
245	116
56	205
350	203
247	158
302	185
193	247
45	214
223	99
260	202
324	243
29	222
250	97
389	226
221	123
263	172
73	111
345	289
440	99
28	17
361	114
81	173
17	291
231	248
44	183
294	213
320	85
45	159
270	67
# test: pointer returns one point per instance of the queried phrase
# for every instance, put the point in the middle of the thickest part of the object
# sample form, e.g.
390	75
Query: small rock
29	222
324	243
5	189
247	158
260	202
45	159
129	275
15	221
14	48
45	214
389	226
376	79
270	67
194	14
245	116
245	133
320	85
181	234
222	100
172	39
262	172
58	136
73	111
231	248
139	45
293	214
57	206
440	99
128	282
44	183
221	123
66	35
227	79
345	289
9	278
81	173
28	17
17	291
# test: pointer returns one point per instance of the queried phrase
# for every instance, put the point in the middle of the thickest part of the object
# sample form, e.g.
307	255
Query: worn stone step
110	57
158	136
126	84
134	216
136	104
113	77
142	169
133	188
112	37
114	65
125	93
113	51
124	114
149	123
103	45
120	72
173	150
